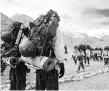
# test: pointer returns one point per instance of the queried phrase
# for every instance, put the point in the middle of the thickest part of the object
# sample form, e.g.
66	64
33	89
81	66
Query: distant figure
75	56
99	54
95	55
65	47
88	57
91	54
66	52
81	56
106	56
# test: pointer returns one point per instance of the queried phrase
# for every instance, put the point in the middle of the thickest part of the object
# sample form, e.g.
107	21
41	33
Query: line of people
84	54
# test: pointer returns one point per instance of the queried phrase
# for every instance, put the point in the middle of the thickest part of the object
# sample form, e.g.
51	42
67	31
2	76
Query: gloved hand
62	70
28	70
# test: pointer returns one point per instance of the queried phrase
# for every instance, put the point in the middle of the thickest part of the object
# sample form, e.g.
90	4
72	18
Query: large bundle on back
11	38
11	34
43	31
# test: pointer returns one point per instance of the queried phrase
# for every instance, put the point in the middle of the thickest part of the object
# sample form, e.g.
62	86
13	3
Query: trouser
75	59
106	61
66	52
95	57
100	58
80	63
3	66
85	60
47	80
17	77
88	60
91	57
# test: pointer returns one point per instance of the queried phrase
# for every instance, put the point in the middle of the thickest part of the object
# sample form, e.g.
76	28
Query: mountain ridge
22	18
5	21
70	39
92	41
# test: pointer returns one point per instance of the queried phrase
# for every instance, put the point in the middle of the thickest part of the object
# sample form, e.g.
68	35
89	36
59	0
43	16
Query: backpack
42	34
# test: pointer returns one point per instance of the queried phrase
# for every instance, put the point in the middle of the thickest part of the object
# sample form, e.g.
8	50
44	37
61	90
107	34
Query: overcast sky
86	16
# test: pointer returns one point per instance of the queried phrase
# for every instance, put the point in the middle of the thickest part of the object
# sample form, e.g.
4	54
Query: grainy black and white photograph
54	45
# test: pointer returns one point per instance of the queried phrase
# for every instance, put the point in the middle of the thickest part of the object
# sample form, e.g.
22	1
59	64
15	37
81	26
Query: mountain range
22	18
5	21
70	39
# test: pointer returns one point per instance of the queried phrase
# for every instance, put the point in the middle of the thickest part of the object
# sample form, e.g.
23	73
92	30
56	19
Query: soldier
91	54
88	57
75	54
17	75
99	54
81	57
106	55
95	54
66	52
50	49
65	47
